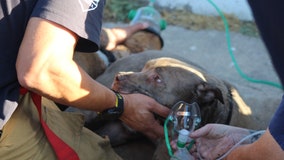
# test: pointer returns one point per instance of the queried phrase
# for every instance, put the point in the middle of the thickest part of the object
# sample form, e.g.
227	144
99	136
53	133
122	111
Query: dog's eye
157	79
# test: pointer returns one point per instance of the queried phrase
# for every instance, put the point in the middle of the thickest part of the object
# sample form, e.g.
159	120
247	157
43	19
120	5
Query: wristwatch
115	112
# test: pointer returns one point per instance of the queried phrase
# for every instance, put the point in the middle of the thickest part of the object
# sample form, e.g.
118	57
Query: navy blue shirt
82	17
270	20
276	127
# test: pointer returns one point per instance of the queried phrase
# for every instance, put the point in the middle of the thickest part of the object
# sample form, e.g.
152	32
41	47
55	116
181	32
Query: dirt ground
196	22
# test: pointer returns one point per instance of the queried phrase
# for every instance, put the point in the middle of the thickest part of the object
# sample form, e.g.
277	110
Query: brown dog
168	80
139	42
96	63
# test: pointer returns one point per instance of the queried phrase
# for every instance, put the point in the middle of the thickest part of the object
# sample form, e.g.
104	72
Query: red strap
62	150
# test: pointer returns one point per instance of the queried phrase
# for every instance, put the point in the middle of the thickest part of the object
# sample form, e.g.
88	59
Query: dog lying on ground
167	80
139	42
96	63
214	95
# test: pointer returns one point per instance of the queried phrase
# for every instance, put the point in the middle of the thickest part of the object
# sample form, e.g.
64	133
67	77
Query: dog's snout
122	76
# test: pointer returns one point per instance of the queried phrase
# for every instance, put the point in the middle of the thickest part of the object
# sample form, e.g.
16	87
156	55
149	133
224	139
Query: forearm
68	84
242	144
245	136
74	87
242	152
264	148
48	68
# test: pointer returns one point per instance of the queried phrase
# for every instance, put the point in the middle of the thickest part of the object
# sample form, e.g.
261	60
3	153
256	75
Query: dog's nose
119	77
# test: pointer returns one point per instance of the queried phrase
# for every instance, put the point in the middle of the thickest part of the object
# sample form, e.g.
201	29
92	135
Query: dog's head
168	81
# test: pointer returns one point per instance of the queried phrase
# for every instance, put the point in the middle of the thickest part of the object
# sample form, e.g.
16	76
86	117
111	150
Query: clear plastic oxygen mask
184	116
150	15
182	120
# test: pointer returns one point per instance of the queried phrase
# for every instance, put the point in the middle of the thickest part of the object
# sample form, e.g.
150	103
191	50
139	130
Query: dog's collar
110	56
231	104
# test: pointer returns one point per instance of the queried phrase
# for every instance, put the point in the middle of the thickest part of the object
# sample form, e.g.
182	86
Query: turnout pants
24	138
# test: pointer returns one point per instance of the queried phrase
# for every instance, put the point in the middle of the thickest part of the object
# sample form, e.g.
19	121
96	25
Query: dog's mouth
125	90
137	90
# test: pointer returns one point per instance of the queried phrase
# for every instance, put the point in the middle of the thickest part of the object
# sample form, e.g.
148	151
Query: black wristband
115	112
119	103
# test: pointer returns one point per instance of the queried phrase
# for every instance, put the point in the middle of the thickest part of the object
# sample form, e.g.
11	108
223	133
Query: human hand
214	140
138	114
118	35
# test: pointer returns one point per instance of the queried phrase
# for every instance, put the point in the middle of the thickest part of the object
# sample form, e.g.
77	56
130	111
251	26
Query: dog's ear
207	92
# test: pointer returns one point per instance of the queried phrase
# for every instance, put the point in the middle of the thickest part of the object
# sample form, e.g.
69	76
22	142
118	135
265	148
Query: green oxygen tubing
228	39
242	74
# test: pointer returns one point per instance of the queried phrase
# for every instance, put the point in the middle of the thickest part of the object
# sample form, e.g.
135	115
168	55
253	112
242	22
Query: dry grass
185	18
